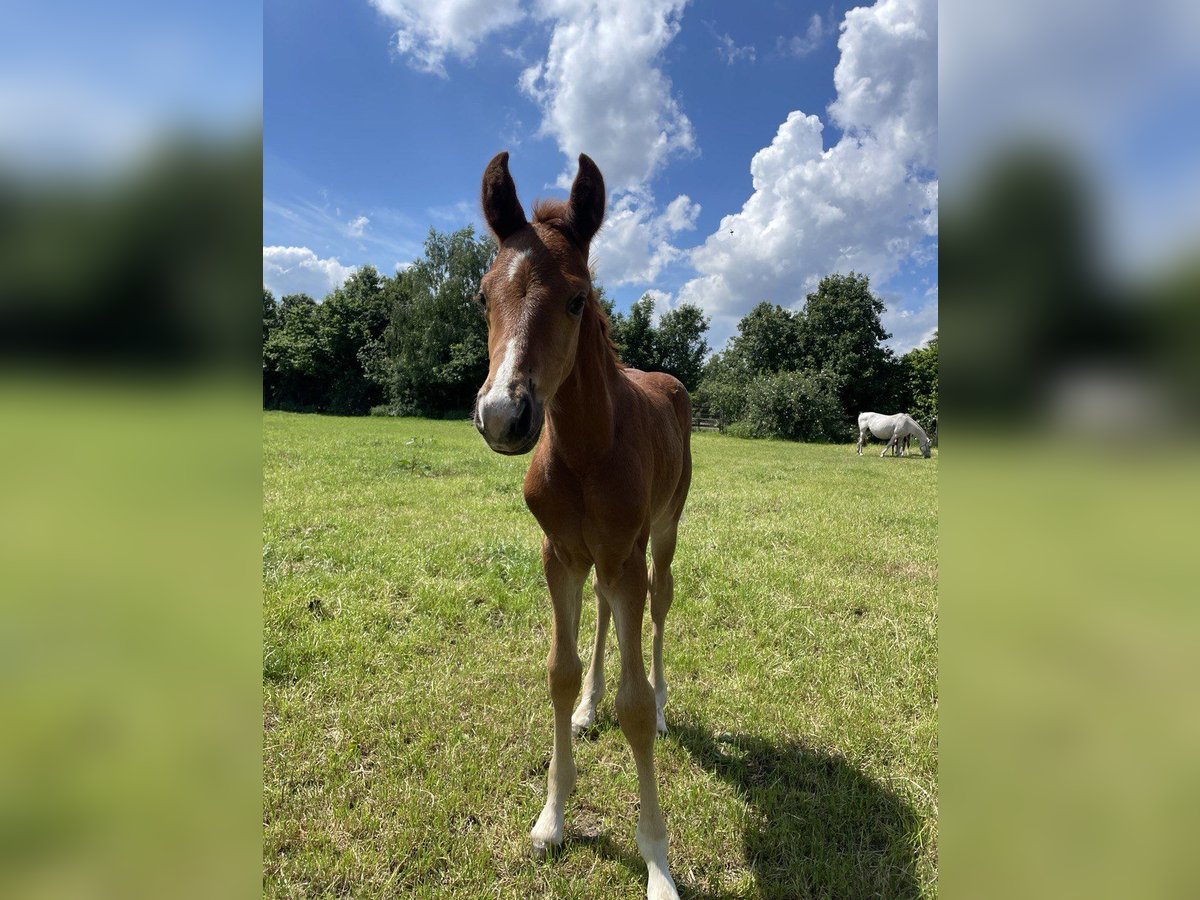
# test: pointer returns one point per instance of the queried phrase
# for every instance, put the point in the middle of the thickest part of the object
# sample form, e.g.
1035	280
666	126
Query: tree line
414	343
807	374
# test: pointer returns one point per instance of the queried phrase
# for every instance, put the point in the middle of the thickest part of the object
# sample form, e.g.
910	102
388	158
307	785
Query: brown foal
609	475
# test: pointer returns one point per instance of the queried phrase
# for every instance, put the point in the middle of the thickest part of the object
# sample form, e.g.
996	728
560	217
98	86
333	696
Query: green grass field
407	724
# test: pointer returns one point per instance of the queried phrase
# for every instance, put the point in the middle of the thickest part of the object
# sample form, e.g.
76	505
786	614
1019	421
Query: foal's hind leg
593	682
563	670
662	592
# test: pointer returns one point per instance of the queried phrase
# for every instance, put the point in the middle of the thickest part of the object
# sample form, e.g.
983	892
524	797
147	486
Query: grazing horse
892	429
610	474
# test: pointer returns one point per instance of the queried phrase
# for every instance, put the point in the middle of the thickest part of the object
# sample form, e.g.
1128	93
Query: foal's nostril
525	418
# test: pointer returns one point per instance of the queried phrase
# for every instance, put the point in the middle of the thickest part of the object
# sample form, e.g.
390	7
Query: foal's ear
586	206
501	208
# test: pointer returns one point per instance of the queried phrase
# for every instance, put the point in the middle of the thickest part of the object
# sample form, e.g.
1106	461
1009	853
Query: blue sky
379	116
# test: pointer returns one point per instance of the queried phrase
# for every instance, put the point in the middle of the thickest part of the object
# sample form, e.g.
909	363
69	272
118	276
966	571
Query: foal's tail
683	412
682	402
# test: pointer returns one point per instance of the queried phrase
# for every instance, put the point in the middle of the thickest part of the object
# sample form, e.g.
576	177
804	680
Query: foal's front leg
625	590
563	670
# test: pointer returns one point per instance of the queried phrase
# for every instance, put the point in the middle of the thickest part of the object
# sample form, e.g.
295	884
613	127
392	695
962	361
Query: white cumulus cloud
298	270
864	204
600	89
636	241
428	31
357	226
681	214
911	327
886	78
602	92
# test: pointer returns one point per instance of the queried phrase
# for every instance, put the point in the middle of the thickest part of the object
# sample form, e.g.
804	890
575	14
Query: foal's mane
551	212
557	214
607	347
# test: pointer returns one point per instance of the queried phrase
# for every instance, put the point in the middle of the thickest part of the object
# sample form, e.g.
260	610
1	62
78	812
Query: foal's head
534	297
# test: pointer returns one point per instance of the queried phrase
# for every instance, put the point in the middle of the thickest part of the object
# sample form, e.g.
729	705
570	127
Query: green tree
920	370
291	357
675	346
432	357
722	390
767	342
634	335
270	314
796	406
313	353
680	345
349	322
841	333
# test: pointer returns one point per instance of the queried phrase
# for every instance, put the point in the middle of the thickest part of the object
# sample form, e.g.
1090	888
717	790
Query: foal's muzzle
509	420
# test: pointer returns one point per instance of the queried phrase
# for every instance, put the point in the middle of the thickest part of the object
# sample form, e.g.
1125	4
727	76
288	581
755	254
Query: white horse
891	429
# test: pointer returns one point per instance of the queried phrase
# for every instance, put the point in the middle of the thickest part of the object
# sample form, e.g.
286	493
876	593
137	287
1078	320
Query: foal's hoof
547	833
544	849
546	841
582	721
662	723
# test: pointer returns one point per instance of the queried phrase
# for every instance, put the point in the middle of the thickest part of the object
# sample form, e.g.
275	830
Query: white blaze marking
514	264
504	375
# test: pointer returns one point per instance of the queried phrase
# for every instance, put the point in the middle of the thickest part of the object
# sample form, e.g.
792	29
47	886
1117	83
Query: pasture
407	724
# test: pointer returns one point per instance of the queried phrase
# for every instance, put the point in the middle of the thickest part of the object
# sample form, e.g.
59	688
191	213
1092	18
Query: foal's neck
580	417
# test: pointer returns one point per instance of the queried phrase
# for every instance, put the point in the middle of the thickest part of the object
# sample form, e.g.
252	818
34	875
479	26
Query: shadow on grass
817	827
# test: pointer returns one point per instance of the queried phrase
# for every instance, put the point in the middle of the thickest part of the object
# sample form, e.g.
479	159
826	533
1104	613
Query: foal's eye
575	307
480	299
